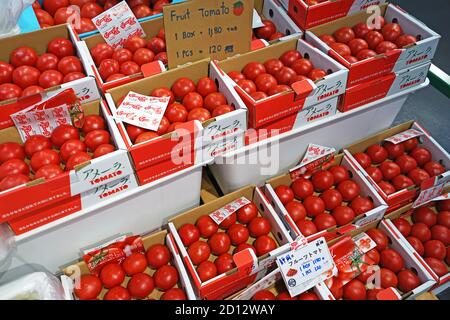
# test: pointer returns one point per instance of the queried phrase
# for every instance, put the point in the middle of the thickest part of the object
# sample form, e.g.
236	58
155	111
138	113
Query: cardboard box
249	268
85	88
379	88
306	16
159	237
41	193
197	135
84	200
410	261
334	233
402	197
383	64
305	93
150	27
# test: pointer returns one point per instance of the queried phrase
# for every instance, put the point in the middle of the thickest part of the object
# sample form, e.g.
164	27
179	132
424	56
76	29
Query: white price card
305	267
428	195
405	135
117	24
142	111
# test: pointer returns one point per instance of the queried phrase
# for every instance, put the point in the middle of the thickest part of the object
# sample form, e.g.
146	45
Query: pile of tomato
429	234
275	75
328	199
363	41
188	102
42	157
393	272
283	294
116	64
398	166
267	32
54	12
211	249
27	73
137	277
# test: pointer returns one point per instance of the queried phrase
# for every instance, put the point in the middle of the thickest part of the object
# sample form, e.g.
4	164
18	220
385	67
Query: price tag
405	135
201	29
117	24
142	111
315	158
221	214
303	268
428	195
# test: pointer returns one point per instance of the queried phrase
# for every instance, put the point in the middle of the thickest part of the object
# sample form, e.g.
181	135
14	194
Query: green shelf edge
440	80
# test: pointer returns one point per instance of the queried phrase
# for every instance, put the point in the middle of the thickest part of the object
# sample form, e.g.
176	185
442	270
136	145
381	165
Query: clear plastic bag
7	245
9	16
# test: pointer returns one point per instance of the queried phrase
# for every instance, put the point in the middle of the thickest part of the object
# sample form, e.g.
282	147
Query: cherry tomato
437	266
264	244
112	275
417	245
332	199
324	221
302	188
421	231
355	290
176	112
435	249
157	45
388	278
224	263
375	173
199	251
264	295
391	31
259	226
289	57
392	260
219	243
361	29
77	159
164	92
247	85
140	285
379	237
13	166
403	226
390	170
343	215
188	234
89	287
405	40
341	49
165	277
174	294
182	87
296	210
306	227
438	232
385	46
253	69
433	168
117	293
363	159
61	47
50	78
71	147
214	100
44	157
221	110
200	114
238	234
206	226
374	255
158	255
373	38
284	193
322	180
349	190
443	218
314	206
207	270
272	67
95	138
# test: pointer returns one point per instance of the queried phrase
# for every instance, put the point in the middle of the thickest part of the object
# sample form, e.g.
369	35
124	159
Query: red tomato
50	78
284	76
402	182
253	69
306	227
433	168
25	76
207	270
339	174
103	149
438	266
224	263
302	67
36	143
372	293
417	245
302	188
91	10
206	226
112	275
199	251
375	173
377	153
390	170
373	38
134	43
23	56
32	90
158	255
117	293
394	150
332	199
379	237
205	86
164	92
176	113
337	292
165	277
69	64
11	150
89	287
182	87
122	55
403	226
344	35
219	243
61	47
308	296
264	295
361	205
391	31
392	260
438	232
259	226
95	138
244	246
405	40
134	263
341	49
229	221
418	176
361	29
86	25
289	57
322	180
157	45
421	231
349	190
62	14
365	275
385	46
285	296
264	244
162	56
314	206
134	132
443	205
236	76
356	45
421	155
247	85
13	166
43	17
238	234
143	55
374	255
142	11
221	110
188	234
71	147
266	31
200	114
443	218
12	181
247	213
272	67
284	193
47	61
343	215
140	285
163	126
174	294
109	67
276	35
363	159
351	59
406	163
324	221
75	76
317	74
6	71
265	82
48	171
214	100
44	157
279	89
388	278
77	159
435	249
93	122
296	210
258	95
101	52
328	39
355	290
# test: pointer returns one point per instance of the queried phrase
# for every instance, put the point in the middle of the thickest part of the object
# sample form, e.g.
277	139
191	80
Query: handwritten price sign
221	214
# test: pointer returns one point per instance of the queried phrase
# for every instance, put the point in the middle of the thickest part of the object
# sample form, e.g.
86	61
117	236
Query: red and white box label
221	214
405	135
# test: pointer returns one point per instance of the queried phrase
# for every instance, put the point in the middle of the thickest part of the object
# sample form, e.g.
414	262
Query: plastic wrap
7	245
9	16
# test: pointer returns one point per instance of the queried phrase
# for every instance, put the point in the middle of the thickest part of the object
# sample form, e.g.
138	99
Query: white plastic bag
10	11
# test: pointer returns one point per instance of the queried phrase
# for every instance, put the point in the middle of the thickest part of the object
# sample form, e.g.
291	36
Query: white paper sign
117	24
305	267
428	195
405	135
256	22
222	213
142	111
